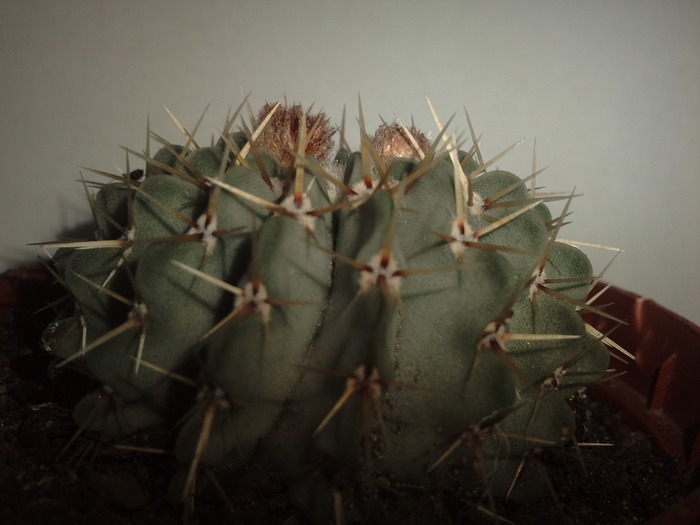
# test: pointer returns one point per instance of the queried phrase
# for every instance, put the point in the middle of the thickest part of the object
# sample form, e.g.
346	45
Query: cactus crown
391	311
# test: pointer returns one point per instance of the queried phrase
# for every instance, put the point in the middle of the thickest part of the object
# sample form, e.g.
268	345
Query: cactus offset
393	311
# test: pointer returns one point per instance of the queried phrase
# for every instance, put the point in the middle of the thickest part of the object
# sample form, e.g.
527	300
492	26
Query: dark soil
44	478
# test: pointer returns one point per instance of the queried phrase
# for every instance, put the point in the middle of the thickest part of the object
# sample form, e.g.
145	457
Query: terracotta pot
24	286
660	390
658	394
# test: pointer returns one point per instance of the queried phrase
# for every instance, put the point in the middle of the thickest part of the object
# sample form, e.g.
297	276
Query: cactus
399	311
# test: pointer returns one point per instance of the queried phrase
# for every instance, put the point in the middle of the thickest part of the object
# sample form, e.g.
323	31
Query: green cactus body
404	315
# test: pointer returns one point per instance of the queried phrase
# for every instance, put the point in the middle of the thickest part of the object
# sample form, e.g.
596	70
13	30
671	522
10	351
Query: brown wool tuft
280	136
390	141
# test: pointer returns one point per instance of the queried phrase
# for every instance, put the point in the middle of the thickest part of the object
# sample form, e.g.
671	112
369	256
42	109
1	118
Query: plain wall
610	90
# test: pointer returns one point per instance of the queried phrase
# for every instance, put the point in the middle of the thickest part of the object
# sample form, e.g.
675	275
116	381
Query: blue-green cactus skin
375	344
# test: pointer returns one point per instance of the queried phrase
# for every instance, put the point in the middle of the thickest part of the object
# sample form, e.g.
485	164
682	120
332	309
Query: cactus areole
399	312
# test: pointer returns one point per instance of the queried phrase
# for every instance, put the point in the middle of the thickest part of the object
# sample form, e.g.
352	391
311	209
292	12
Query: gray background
609	89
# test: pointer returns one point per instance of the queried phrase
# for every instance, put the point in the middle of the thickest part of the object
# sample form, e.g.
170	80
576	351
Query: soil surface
48	478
